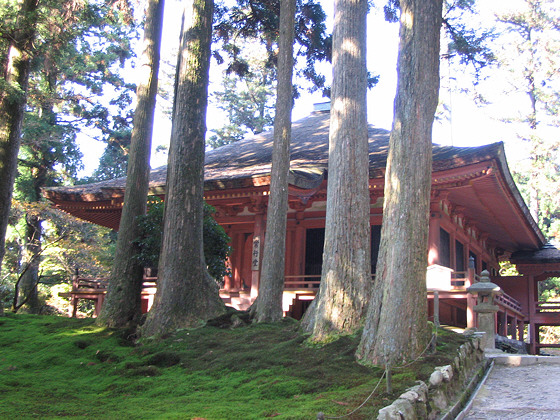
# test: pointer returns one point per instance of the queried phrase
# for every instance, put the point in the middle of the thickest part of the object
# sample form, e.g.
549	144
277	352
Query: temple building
478	218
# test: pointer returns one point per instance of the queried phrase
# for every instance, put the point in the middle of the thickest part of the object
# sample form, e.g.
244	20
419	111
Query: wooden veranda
450	288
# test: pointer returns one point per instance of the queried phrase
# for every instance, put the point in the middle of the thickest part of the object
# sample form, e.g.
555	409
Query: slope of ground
54	367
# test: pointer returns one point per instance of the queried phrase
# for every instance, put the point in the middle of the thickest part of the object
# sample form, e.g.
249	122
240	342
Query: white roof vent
322	106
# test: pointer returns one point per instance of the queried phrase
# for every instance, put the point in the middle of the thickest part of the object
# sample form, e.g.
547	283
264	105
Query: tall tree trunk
186	294
123	304
13	97
31	256
268	306
345	278
34	236
39	165
396	327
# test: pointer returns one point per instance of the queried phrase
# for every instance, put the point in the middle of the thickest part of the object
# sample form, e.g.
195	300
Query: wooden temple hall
478	219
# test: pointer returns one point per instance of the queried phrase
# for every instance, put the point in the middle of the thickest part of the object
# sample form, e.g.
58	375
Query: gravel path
519	392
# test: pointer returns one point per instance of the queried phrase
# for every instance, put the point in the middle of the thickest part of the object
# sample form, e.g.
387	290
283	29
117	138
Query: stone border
472	395
433	400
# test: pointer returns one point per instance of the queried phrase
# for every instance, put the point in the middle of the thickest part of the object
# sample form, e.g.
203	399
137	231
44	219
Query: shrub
216	242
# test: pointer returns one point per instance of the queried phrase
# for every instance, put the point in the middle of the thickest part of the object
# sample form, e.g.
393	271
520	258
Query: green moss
53	367
164	359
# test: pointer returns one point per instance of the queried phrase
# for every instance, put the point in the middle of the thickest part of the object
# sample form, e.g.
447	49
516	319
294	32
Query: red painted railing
543	307
309	281
305	281
508	302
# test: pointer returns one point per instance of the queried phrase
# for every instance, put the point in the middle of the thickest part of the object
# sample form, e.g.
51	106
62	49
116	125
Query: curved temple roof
475	179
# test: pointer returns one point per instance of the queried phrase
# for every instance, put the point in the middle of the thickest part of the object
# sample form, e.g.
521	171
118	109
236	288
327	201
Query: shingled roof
476	180
548	254
233	165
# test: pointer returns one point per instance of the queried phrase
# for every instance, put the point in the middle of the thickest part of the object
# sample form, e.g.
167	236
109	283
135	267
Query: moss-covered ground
54	367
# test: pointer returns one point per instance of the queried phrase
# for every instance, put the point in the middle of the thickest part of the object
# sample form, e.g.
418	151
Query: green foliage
469	42
151	226
259	21
537	179
246	34
247	30
75	84
216	242
216	245
54	367
69	244
82	48
392	10
508	269
549	289
48	156
114	160
529	63
247	100
83	246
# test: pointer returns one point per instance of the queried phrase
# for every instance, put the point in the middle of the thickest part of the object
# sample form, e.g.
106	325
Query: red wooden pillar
521	330
289	252
533	332
513	327
73	310
298	247
503	326
98	304
236	261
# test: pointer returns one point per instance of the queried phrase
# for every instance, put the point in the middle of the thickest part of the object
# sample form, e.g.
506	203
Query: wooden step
240	300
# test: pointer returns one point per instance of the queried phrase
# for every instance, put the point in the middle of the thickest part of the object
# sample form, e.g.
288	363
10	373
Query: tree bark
122	306
32	256
186	294
396	328
39	166
268	306
342	300
13	97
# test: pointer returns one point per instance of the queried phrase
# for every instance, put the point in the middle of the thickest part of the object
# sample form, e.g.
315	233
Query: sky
466	124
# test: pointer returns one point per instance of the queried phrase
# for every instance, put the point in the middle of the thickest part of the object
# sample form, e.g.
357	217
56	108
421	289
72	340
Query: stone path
528	391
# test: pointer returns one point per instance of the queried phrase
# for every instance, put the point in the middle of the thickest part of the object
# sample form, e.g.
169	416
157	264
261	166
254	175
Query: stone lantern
486	291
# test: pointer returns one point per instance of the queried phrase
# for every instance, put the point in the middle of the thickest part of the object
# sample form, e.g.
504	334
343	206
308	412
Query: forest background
512	95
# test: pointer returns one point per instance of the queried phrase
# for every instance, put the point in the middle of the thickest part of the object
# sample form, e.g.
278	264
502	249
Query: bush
216	242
